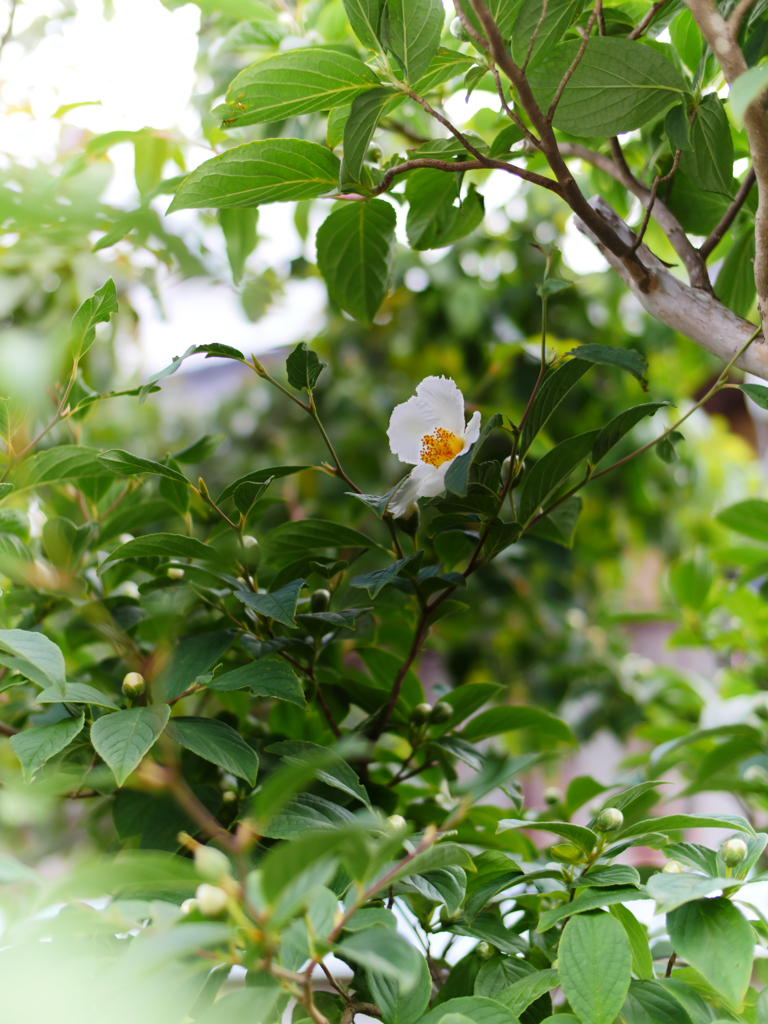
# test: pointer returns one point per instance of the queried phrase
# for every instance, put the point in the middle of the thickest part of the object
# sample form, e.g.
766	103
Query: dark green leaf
594	961
583	837
306	814
552	286
95	310
551	471
396	1005
617	87
505	140
76	693
247	494
642	959
377	503
709	163
295	539
457	477
434	220
415	27
238	226
318	623
295	82
716	940
665	448
259	476
267	171
560	525
365	18
512	717
505	13
201	449
735	284
124	737
757	392
620	425
366	110
34	656
625	358
677	128
303	368
355	254
385	951
445	65
478	1009
34	747
280	605
559	15
216	742
518	996
124	464
749	518
601	876
267	677
190	659
162	545
588	900
553	390
335	772
375	581
673	822
648	1002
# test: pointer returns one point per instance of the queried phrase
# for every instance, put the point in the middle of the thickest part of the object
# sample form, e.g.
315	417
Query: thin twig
510	112
469	27
646	20
734	22
670	965
729	216
458	166
535	35
574	64
649	208
8	730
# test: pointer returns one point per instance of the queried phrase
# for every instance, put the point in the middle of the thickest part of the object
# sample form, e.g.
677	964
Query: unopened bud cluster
609	820
425	714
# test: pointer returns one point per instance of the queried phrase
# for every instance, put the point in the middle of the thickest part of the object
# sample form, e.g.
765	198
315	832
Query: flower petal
441	404
408	491
472	432
407	426
433	483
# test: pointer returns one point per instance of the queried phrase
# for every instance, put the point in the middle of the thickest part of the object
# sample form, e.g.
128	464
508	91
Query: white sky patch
579	253
459	109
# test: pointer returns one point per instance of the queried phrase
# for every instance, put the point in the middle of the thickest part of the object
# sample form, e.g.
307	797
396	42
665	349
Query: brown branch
670	965
574	64
8	730
197	810
729	216
464	165
535	35
469	28
734	22
509	112
643	24
654	189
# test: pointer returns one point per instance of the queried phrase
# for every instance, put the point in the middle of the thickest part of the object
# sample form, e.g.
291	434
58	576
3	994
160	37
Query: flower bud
396	822
320	601
134	685
229	796
567	853
756	774
420	714
173	572
410	520
519	474
441	713
552	795
458	31
250	542
672	868
734	852
211	900
484	950
212	863
188	906
609	820
203	490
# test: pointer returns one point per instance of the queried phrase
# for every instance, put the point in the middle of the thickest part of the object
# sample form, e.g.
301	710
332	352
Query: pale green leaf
123	738
415	27
594	962
35	746
716	940
34	656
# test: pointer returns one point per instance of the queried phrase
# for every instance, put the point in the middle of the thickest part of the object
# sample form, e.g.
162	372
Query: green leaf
124	464
398	1006
355	254
648	1002
201	449
95	310
66	463
34	656
123	738
247	494
280	606
259	476
433	220
745	90
553	390
583	837
479	1009
212	351
620	425
594	962
366	110
559	15
678	129
489	928
318	623
268	677
512	717
588	900
717	941
306	814
505	140
642	959
604	876
665	448
239	229
162	545
375	581
560	525
617	87
415	27
296	539
303	368
749	517
735	284
672	822
76	693
551	471
335	773
690	581
268	171
504	12
365	19
709	164
295	82
672	891
35	746
757	392
457	477
625	358
6	489
216	742
445	65
520	994
385	951
191	658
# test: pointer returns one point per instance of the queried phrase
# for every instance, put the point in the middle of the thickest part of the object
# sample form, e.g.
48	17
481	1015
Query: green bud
552	796
458	31
212	863
134	685
420	714
211	900
567	853
609	820
396	822
485	950
734	852
519	474
174	572
188	906
410	520
446	918
672	868
203	490
229	796
320	601
250	542
441	713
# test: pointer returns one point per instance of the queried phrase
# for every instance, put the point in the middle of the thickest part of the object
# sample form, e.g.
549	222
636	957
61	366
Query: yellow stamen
440	447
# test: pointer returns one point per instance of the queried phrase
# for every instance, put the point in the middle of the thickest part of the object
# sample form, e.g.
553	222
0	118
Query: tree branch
654	190
729	216
469	28
643	24
734	22
574	64
692	312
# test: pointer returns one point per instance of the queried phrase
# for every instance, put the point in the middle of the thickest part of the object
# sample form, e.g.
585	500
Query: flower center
440	447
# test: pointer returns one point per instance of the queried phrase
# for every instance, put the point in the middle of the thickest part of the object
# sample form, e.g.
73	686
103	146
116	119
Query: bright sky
140	66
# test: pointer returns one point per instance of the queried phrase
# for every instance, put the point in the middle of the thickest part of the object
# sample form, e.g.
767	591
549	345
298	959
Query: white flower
428	431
